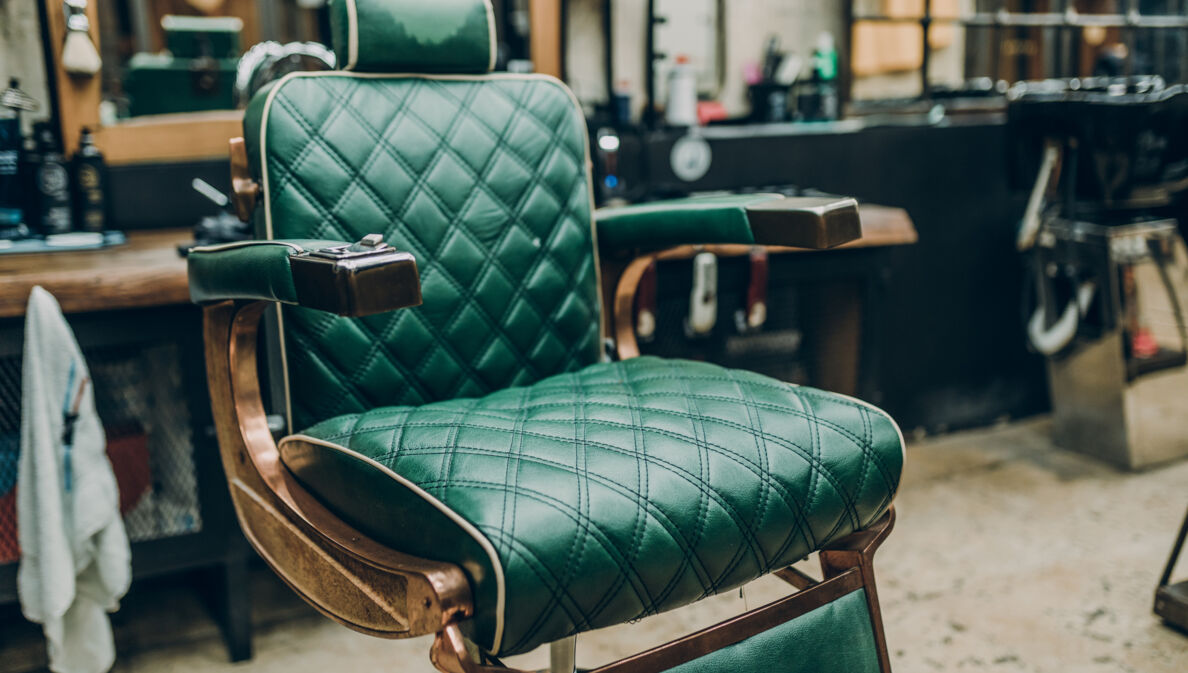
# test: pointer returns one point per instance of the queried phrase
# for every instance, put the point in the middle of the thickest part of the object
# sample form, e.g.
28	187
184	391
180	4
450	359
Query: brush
79	55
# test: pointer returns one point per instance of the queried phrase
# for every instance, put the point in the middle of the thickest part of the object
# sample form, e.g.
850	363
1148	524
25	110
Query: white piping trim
266	186
243	244
284	353
469	528
884	414
352	35
492	38
268	234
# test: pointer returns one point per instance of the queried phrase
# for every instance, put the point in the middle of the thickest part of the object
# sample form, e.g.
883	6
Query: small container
10	152
51	184
621	103
12	102
819	101
90	185
681	109
769	102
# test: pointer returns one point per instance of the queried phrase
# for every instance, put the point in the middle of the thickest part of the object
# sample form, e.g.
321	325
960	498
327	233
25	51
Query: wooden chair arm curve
344	574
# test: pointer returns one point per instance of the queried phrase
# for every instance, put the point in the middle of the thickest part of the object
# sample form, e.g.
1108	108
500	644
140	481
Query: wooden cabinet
130	311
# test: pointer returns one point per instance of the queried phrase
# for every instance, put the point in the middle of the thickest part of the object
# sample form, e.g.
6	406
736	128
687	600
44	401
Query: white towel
75	560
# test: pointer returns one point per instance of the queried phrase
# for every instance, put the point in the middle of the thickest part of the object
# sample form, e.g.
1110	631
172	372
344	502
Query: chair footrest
824	629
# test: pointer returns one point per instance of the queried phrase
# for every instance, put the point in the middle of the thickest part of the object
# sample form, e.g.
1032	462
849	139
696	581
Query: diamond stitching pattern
454	171
626	489
610	493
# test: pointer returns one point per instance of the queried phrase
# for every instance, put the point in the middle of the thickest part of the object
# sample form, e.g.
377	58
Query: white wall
21	54
748	23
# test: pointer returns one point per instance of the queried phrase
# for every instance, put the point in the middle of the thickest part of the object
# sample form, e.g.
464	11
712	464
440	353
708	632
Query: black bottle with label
10	151
27	169
13	194
90	185
51	184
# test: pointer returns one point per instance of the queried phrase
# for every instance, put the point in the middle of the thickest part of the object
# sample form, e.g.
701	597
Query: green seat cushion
604	495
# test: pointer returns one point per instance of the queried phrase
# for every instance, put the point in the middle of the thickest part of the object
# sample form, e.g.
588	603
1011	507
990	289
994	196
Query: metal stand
216	549
1171	600
563	655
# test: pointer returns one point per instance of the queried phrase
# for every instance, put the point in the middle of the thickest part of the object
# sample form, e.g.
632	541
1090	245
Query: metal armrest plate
816	223
357	285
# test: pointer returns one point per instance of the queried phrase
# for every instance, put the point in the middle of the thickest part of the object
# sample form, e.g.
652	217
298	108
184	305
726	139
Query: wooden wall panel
78	97
545	36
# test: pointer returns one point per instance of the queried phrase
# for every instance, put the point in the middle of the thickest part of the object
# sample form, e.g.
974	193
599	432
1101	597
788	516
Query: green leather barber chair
464	458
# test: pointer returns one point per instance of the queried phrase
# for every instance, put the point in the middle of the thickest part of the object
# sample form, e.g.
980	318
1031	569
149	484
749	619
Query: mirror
167	89
690	30
178	56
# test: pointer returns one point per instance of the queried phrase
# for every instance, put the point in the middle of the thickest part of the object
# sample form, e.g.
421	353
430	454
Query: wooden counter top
145	272
884	226
148	272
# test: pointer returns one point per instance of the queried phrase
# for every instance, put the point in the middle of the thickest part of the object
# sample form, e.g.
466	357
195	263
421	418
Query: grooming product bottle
10	151
12	102
51	183
825	76
90	185
681	109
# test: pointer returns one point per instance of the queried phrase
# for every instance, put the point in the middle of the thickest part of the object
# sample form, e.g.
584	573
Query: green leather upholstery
663	224
612	493
434	36
480	428
484	181
835	638
254	270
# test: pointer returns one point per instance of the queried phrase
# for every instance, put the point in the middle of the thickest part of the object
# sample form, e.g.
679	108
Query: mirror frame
179	137
198	136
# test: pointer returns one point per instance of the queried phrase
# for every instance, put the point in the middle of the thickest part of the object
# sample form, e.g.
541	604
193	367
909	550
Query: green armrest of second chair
749	219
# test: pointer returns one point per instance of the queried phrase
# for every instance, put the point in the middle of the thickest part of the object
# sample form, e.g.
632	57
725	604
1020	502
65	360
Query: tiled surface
1009	556
1015	556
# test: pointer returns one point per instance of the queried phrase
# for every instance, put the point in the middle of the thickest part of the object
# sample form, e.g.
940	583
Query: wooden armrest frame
627	285
344	574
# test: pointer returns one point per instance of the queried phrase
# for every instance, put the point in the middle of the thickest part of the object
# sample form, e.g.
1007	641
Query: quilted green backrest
484	179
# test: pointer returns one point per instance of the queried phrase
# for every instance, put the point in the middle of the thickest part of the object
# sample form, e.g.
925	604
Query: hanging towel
75	562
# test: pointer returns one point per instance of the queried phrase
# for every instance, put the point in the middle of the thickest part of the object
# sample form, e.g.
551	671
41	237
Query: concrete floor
1009	555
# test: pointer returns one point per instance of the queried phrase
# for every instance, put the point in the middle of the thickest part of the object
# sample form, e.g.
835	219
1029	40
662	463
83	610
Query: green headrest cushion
413	36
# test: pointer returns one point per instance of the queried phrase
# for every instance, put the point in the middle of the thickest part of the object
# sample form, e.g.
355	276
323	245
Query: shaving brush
79	55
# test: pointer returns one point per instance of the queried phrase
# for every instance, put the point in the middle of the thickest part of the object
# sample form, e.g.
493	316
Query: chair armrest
763	219
351	280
